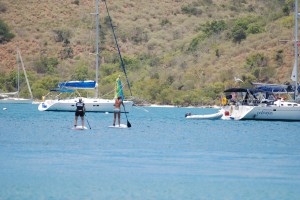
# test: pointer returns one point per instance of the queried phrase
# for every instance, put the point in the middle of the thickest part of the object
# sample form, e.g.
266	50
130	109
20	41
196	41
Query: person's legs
82	121
75	121
119	115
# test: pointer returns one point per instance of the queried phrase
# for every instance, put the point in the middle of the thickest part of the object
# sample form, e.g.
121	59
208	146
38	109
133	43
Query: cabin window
289	104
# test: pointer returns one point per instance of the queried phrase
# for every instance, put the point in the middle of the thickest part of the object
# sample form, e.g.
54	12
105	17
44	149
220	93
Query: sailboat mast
296	48
18	64
29	89
97	47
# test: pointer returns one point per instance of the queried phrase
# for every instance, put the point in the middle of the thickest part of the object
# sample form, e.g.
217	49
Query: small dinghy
217	115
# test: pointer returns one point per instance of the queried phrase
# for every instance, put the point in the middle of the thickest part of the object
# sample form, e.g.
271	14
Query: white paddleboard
79	128
117	126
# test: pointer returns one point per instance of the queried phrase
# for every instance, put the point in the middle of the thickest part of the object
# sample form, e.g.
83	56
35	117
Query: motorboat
213	116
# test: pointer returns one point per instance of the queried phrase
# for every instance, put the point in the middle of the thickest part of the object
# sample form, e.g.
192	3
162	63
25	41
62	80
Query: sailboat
95	104
13	97
262	103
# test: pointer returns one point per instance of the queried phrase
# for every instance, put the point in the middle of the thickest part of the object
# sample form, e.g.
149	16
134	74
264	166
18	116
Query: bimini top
251	90
276	88
78	84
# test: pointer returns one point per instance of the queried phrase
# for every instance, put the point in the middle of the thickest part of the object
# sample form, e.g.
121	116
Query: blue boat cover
276	88
78	84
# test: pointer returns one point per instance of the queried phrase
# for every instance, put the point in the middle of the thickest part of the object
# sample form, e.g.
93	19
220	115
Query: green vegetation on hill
183	52
5	34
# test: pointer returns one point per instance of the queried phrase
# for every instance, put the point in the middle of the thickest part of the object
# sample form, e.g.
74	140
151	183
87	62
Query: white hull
285	111
15	101
217	115
91	105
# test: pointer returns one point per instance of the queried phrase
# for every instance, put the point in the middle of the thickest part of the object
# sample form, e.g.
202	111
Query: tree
238	34
5	34
214	27
46	65
81	73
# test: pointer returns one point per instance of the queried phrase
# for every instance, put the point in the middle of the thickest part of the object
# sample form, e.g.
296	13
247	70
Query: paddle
128	123
87	121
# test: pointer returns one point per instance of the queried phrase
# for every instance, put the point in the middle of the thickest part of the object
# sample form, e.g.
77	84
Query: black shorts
79	113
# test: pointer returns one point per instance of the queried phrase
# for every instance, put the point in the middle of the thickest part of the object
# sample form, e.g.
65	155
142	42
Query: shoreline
172	106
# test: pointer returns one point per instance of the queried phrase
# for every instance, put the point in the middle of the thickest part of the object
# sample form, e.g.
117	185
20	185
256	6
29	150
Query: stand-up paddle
87	121
128	123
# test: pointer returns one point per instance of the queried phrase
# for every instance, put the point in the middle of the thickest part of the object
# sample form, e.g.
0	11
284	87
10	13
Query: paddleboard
79	128
117	126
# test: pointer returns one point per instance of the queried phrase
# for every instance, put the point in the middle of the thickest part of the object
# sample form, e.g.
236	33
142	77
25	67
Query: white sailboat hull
15	101
289	111
91	105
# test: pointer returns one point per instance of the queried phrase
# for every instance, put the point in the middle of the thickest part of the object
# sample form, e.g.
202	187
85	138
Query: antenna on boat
296	48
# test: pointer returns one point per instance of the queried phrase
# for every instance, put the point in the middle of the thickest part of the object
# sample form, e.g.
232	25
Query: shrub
214	27
238	34
46	65
191	10
76	2
5	34
165	22
254	28
62	35
279	57
256	64
66	53
2	7
81	74
196	41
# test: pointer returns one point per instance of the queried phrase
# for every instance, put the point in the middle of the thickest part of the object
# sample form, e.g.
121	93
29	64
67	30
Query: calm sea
162	156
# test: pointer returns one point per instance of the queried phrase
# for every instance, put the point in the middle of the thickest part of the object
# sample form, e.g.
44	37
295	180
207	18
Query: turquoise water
162	156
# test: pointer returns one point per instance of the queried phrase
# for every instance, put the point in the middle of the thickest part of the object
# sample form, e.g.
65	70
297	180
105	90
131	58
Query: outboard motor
188	114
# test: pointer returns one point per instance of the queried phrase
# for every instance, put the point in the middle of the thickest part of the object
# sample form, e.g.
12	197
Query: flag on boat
293	76
119	89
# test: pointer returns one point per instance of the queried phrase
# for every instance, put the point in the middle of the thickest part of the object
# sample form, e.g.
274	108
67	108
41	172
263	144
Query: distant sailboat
91	104
10	98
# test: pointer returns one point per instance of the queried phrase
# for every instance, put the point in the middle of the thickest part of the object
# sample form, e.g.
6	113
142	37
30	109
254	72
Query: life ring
224	101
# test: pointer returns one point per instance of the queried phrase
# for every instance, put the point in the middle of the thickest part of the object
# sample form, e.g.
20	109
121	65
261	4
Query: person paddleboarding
117	110
80	110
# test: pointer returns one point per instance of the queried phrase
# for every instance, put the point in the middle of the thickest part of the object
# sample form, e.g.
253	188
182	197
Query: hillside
176	51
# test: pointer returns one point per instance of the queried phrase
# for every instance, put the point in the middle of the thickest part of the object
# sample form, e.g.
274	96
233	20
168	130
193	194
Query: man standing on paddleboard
117	109
80	110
